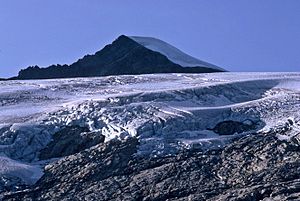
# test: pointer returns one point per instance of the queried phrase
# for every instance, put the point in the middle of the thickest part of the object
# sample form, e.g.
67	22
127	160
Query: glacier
166	112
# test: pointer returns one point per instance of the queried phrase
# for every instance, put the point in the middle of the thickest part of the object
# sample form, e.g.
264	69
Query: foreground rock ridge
123	56
216	136
255	167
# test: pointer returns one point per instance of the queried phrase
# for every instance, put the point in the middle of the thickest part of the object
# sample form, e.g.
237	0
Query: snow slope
172	53
27	172
167	112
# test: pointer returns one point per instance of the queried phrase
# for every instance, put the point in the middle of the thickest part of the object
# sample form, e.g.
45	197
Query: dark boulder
232	127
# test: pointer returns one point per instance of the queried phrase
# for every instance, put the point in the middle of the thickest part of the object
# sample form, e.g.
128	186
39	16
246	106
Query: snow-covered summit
172	53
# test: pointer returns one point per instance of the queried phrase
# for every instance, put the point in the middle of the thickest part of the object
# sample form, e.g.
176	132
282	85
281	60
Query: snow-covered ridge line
172	53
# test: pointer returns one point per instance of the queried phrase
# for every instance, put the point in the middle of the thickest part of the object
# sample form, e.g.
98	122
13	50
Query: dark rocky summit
254	167
123	56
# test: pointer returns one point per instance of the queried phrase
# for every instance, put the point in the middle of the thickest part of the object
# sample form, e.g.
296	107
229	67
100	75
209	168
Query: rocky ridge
254	167
123	57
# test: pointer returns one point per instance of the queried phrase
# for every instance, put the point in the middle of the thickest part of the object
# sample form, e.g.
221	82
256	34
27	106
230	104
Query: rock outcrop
70	140
232	127
254	167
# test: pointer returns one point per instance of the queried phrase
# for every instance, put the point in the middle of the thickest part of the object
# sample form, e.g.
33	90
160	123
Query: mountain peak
126	55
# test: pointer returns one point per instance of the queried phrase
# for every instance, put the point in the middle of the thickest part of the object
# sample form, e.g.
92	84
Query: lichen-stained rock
254	167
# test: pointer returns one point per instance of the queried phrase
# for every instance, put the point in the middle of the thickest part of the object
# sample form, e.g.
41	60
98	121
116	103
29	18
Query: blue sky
239	35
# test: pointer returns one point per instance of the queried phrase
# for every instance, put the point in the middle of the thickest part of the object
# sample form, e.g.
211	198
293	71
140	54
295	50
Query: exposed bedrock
254	167
70	140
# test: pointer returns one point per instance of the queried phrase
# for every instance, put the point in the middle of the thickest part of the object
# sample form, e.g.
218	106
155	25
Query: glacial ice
167	112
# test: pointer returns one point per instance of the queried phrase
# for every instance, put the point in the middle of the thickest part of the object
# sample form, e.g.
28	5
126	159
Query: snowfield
166	112
172	53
